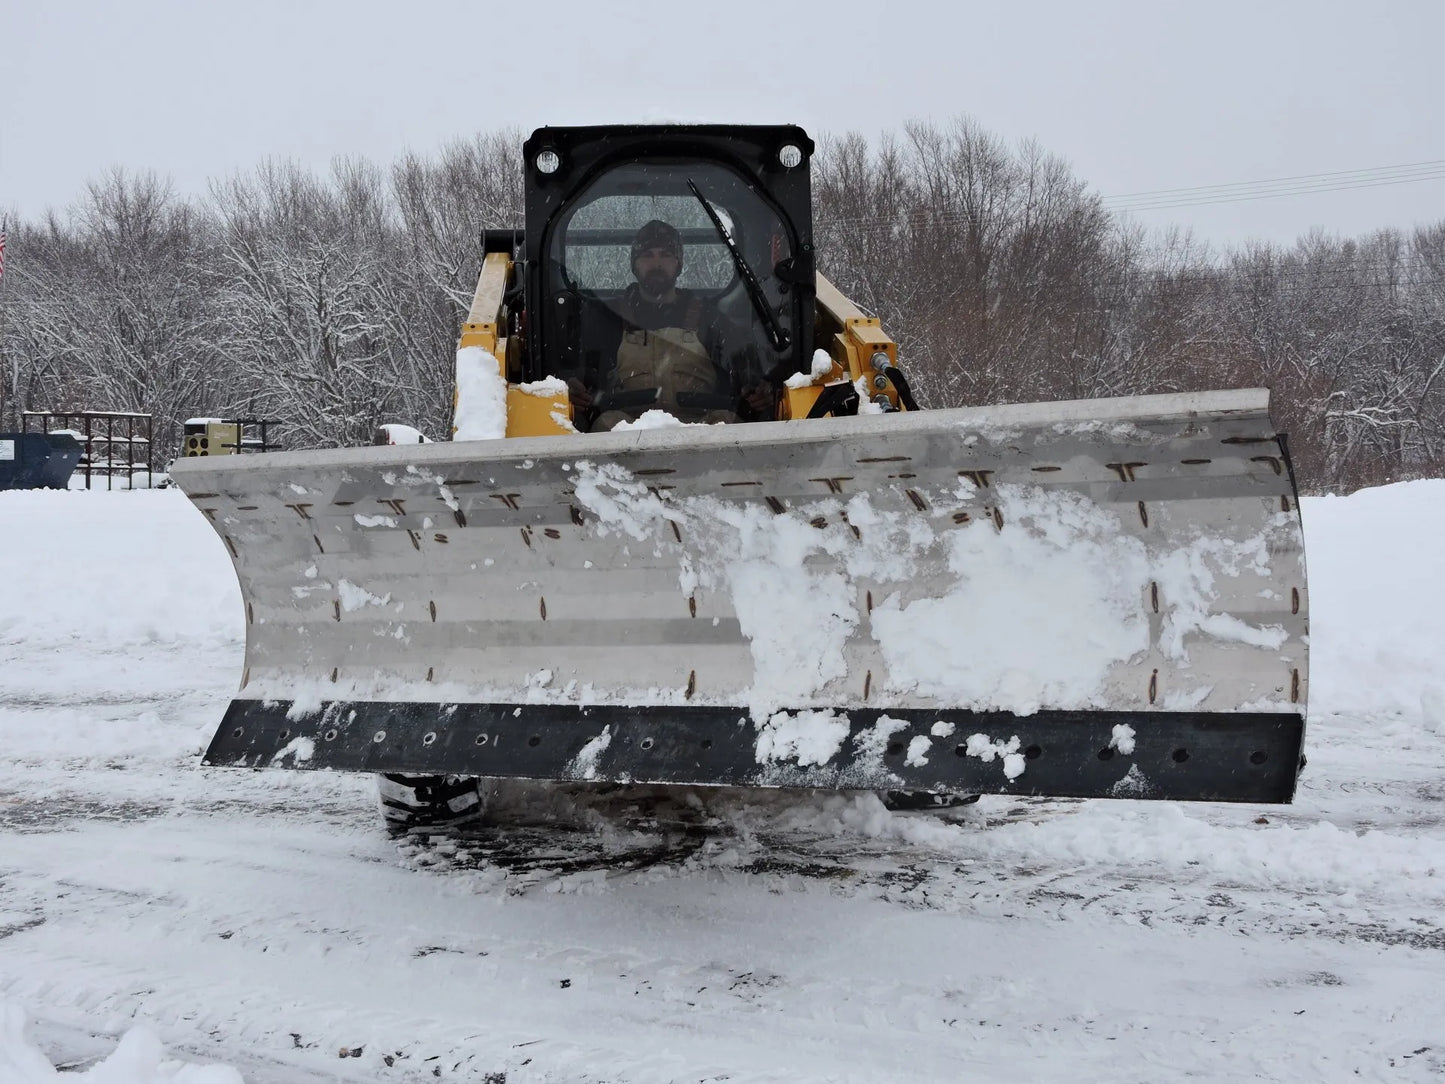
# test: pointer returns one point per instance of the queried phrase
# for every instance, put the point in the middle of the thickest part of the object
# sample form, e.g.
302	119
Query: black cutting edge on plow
1178	756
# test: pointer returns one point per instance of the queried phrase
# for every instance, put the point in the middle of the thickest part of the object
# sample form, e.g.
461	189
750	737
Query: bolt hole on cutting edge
429	737
1180	755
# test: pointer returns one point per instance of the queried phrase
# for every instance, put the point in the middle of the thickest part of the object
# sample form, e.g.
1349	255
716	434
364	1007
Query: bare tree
300	278
986	260
110	313
443	207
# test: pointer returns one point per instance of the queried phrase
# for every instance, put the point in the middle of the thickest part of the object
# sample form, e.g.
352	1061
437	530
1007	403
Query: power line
915	219
1272	190
1205	195
1410	274
1355	174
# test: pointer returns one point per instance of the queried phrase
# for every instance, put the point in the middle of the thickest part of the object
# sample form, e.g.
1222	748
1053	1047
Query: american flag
2	254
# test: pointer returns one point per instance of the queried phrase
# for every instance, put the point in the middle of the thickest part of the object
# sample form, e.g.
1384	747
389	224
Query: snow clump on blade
584	764
986	749
652	419
1052	647
808	737
481	412
354	597
822	367
546	388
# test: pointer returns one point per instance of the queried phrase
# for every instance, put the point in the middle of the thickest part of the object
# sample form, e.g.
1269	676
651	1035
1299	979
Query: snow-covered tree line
330	304
1005	280
333	303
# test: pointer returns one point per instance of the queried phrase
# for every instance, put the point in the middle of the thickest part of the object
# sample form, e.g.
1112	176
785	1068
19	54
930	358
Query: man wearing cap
671	348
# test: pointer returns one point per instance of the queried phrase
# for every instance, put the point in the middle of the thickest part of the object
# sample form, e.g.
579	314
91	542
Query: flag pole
9	372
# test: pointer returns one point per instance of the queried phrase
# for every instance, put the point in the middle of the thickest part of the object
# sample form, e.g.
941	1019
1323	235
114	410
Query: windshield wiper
776	334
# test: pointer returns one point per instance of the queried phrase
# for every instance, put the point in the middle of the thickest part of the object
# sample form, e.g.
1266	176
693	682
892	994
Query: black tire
907	800
427	801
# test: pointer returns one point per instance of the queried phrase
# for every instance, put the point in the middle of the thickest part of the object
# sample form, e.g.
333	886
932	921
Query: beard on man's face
657	281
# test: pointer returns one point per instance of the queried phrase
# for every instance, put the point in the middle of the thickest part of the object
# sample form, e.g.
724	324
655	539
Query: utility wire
1244	191
1312	178
1204	195
1410	274
913	223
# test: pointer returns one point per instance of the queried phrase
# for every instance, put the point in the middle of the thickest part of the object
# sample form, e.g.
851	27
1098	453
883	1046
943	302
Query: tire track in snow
170	936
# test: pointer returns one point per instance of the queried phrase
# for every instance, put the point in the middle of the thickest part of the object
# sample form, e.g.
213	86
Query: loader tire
427	801
900	801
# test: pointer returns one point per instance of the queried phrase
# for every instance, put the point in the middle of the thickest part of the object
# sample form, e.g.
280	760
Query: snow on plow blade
1101	598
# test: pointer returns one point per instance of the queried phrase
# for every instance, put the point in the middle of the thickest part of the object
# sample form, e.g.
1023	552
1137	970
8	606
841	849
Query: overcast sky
1137	96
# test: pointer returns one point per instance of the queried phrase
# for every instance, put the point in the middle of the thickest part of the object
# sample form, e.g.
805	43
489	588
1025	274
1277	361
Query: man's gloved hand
759	399
581	397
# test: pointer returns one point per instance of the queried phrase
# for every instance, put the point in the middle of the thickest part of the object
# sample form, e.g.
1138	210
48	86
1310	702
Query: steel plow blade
1045	598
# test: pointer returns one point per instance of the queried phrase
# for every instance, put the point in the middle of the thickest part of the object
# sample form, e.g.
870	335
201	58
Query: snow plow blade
1097	599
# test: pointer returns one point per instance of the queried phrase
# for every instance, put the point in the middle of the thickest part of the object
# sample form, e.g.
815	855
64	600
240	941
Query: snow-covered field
164	922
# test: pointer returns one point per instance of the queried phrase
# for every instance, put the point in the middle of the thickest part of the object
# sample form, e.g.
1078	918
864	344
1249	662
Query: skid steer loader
833	589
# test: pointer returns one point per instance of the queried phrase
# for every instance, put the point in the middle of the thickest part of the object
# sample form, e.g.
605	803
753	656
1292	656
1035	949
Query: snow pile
1377	600
119	569
481	407
138	1059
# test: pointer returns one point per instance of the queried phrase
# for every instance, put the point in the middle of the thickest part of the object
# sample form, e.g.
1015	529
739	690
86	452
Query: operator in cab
673	350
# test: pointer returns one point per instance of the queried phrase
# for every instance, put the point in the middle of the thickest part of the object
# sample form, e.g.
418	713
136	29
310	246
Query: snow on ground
164	922
1378	564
